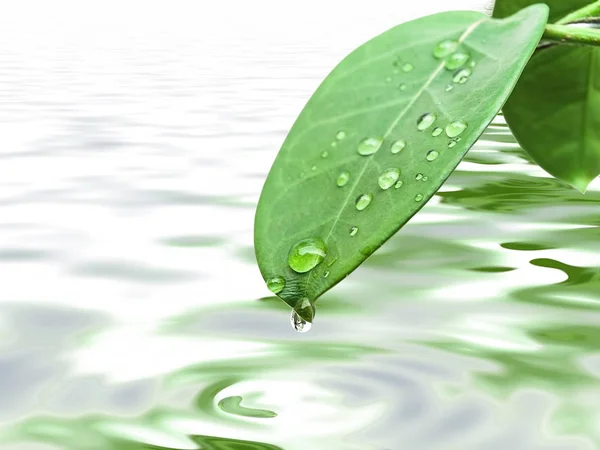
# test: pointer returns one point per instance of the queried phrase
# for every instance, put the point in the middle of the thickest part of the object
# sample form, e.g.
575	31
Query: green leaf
373	100
554	111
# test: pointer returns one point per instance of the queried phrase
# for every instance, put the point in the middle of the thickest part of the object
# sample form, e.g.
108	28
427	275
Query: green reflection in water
233	405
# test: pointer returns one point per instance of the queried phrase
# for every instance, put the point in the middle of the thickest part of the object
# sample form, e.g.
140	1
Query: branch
592	10
571	35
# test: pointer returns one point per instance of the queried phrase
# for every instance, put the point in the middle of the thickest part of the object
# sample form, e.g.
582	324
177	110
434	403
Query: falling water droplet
432	155
419	177
362	201
407	67
451	144
340	135
436	131
444	48
456	60
343	178
418	197
456	128
449	88
398	184
462	76
276	284
369	146
306	254
298	323
402	87
353	231
388	178
398	146
425	121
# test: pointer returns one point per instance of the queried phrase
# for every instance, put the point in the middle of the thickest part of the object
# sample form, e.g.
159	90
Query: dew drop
353	231
276	284
432	155
456	128
369	146
362	201
456	60
398	184
462	76
388	178
325	154
407	67
307	254
298	323
444	48
343	178
398	146
418	197
419	177
436	131
425	121
451	144
340	135
449	88
402	87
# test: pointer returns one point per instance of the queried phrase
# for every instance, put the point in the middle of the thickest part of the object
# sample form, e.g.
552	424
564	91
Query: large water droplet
407	67
418	197
432	155
456	60
388	178
425	121
276	284
436	131
444	48
353	231
298	323
462	76
363	201
306	254
369	146
456	128
340	135
398	146
343	178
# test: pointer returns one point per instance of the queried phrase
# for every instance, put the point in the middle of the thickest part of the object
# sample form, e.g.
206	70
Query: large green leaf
379	93
554	111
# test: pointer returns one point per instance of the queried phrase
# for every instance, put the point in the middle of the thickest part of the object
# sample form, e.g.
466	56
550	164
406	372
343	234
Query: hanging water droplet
449	88
456	60
462	76
436	131
325	154
398	184
298	323
353	231
456	128
398	146
444	48
418	197
343	178
425	121
419	177
362	201
276	284
451	144
369	146
402	87
407	67
340	135
432	155
388	178
306	254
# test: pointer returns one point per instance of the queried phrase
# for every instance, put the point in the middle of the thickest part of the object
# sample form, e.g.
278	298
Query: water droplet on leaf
425	121
326	274
432	155
456	128
436	131
418	197
449	88
398	146
402	87
340	135
456	60
298	323
388	79
462	76
325	154
444	48
369	146
398	184
419	177
388	178
276	284
353	231
407	67
363	201
451	144
343	178
306	254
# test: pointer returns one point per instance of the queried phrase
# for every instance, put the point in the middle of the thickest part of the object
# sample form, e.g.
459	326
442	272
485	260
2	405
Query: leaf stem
591	10
571	35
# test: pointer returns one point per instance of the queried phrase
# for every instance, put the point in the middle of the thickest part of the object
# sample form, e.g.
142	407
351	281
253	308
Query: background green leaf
379	92
554	111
